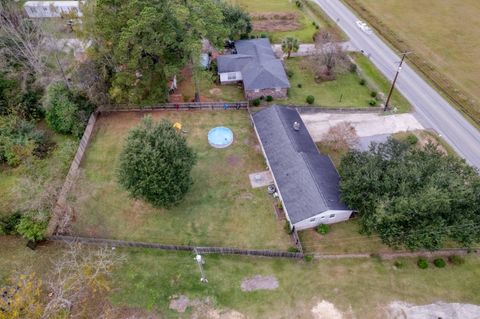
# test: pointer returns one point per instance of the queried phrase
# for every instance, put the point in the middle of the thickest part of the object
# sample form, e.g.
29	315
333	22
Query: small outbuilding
307	182
52	9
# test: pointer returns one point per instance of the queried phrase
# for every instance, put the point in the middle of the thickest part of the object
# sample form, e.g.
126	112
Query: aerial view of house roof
307	180
256	61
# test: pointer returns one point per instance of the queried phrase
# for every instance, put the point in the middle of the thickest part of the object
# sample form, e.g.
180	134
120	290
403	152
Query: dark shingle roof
256	61
307	180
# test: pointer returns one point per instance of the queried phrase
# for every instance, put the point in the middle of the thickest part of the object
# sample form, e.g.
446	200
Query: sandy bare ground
259	283
402	310
202	308
326	310
366	124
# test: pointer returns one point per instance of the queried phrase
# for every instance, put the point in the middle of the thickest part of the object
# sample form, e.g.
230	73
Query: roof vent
296	126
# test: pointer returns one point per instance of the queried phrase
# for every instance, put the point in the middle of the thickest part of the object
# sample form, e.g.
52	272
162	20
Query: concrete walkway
369	124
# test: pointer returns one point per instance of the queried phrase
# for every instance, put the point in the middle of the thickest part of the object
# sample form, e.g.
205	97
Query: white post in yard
200	262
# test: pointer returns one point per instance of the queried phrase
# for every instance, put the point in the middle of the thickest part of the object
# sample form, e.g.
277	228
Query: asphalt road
431	109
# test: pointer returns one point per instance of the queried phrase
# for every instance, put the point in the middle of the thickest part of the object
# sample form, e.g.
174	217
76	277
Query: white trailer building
52	9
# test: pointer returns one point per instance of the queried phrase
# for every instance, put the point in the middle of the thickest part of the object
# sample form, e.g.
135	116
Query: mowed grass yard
344	91
221	208
148	278
444	32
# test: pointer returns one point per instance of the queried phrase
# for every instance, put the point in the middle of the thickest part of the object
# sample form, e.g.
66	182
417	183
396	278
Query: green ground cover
345	91
221	209
50	170
377	80
148	278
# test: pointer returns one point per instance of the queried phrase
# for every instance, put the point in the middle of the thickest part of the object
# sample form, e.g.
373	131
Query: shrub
352	67
19	140
308	258
372	102
411	139
256	102
279	204
155	163
31	229
8	224
298	3
299	85
317	27
439	263
456	260
66	112
289	72
373	94
263	35
293	249
362	82
398	264
269	98
288	229
422	263
310	99
322	229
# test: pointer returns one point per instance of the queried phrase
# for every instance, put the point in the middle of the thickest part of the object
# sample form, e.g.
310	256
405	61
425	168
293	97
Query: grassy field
148	278
50	170
443	32
342	238
377	80
220	209
346	87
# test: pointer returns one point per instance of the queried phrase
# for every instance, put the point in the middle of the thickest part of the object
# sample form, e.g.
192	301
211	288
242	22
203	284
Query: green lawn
148	278
377	80
220	209
346	87
51	170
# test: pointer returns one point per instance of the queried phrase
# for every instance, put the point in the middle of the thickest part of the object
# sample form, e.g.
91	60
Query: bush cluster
322	229
372	102
28	227
20	139
456	260
269	98
256	102
292	249
422	263
439	262
362	82
411	139
66	112
310	99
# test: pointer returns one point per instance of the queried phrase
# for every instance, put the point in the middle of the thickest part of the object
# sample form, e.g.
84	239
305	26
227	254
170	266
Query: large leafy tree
144	42
156	162
417	198
238	20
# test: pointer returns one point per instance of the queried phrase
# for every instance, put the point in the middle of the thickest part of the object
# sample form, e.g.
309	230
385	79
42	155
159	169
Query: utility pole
404	54
198	258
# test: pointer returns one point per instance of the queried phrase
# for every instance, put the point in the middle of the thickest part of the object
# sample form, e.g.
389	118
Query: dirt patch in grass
326	310
275	21
202	308
399	309
234	160
259	283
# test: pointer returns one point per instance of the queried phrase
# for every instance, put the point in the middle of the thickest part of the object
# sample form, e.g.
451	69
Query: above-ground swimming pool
220	137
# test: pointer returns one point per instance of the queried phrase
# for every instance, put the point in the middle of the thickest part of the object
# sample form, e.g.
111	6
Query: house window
312	220
45	9
332	215
278	89
256	91
33	10
232	76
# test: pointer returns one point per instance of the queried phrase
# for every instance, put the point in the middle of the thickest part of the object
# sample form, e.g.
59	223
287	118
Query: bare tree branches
21	39
331	57
342	136
78	276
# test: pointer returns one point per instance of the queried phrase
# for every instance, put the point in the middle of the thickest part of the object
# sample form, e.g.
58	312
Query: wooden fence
179	106
202	250
60	211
